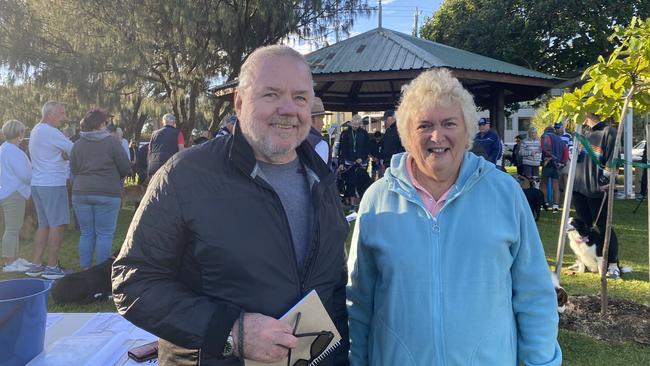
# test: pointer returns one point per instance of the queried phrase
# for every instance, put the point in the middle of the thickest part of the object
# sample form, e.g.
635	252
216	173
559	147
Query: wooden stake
610	204
566	206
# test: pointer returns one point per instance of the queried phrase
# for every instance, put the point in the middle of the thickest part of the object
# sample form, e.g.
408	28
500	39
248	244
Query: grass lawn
578	349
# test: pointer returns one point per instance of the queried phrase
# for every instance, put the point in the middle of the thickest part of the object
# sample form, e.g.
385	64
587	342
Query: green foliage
623	76
117	54
553	36
541	119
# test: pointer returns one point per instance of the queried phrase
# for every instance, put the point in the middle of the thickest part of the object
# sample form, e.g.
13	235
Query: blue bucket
23	313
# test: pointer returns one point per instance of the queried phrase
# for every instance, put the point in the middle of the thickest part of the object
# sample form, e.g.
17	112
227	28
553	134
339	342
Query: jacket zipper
440	344
313	250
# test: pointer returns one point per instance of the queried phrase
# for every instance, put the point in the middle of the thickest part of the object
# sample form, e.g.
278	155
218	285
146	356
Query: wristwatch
229	347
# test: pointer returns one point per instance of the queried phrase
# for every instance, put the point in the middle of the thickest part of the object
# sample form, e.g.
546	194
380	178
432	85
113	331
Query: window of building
524	124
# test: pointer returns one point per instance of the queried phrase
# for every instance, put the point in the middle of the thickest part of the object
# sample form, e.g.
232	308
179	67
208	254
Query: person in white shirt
119	135
15	176
531	154
50	151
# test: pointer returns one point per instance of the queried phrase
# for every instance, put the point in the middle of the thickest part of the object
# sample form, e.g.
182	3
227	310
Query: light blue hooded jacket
468	287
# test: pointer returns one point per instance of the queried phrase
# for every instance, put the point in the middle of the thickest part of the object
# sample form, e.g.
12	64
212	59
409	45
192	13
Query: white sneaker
15	266
613	272
24	262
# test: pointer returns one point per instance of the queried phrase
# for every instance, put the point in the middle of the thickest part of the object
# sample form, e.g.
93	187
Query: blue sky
396	15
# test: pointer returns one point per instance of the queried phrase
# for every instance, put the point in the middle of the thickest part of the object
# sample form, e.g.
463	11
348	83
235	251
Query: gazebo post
497	110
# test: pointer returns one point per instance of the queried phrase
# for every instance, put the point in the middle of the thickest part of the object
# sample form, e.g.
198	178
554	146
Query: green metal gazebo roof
383	49
366	72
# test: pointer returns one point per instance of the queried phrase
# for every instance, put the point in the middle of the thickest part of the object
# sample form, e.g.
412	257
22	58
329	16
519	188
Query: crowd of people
237	229
59	169
551	152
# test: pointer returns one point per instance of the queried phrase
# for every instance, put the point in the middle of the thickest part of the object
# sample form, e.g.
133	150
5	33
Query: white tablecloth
93	339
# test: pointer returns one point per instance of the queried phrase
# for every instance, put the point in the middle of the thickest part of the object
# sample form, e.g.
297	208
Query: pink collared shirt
430	203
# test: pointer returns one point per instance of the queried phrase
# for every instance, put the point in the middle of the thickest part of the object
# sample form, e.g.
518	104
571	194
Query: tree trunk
131	128
191	120
139	124
219	111
610	205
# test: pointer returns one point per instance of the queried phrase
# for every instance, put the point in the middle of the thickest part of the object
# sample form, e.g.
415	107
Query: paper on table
141	334
52	318
103	323
81	351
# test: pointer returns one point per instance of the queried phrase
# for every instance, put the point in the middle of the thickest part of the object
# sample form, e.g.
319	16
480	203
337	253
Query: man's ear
238	102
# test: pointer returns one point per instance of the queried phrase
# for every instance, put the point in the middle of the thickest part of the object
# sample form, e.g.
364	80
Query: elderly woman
98	165
15	177
448	267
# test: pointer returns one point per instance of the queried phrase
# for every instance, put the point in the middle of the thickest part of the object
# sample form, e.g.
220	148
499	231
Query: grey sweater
98	163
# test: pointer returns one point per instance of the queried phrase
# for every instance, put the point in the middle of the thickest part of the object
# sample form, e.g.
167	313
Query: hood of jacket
472	169
96	135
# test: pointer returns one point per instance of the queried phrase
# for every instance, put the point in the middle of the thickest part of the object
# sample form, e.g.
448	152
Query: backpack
549	149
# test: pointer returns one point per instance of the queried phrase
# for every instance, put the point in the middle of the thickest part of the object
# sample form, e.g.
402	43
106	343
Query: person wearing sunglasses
447	265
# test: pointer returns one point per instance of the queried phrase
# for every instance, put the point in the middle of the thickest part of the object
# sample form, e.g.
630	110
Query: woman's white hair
432	88
12	129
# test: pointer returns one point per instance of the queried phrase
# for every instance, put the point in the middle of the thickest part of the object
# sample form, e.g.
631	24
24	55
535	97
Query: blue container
23	313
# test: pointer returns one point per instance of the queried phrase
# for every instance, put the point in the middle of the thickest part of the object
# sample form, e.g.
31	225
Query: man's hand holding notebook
316	333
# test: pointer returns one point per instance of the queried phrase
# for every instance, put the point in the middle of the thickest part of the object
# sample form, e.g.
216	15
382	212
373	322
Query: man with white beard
234	232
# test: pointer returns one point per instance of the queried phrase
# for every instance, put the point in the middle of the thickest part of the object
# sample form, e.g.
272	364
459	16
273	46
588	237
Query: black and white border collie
584	241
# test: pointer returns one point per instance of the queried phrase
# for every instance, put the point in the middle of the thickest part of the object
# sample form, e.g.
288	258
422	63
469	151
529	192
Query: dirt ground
626	321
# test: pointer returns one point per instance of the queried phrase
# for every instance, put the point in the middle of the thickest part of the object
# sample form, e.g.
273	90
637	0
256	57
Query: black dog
534	196
85	286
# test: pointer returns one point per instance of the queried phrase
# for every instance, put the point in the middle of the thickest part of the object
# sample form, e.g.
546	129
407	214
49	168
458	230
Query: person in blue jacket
447	264
487	142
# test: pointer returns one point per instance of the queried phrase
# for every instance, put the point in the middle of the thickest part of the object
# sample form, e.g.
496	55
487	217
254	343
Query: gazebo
366	73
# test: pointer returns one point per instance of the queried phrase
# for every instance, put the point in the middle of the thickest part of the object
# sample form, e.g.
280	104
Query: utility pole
415	23
379	13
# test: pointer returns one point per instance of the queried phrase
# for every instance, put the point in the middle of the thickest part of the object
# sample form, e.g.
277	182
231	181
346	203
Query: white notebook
313	319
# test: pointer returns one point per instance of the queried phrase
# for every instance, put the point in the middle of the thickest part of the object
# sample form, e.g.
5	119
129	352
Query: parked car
637	151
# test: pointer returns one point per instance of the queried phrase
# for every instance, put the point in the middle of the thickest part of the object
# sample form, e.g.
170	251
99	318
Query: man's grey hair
169	119
247	69
50	107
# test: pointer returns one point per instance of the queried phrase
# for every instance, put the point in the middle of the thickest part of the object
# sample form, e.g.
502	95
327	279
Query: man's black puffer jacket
211	239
